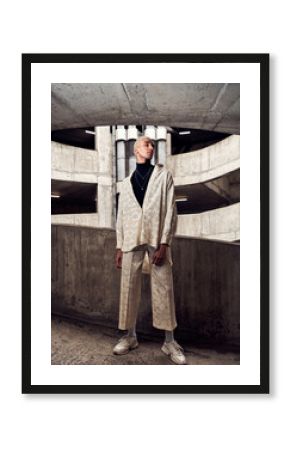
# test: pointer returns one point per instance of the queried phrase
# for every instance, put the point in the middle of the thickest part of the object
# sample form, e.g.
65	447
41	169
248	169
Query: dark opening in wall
184	140
213	194
68	197
76	137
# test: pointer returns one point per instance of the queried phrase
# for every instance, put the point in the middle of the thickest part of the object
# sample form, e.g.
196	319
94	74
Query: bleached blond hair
143	138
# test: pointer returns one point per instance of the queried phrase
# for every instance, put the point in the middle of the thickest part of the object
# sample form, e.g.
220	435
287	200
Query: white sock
169	336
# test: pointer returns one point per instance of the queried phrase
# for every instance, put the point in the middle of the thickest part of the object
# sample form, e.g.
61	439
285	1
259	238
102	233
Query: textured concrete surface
74	163
221	223
206	164
106	177
84	220
191	173
81	343
204	106
206	278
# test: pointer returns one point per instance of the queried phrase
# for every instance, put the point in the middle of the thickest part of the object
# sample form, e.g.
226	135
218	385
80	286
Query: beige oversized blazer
153	224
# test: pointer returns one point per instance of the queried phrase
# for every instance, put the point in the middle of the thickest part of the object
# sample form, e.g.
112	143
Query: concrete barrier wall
85	283
221	223
74	163
206	164
85	220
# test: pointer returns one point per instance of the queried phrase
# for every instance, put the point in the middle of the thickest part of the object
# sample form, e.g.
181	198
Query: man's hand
118	258
159	255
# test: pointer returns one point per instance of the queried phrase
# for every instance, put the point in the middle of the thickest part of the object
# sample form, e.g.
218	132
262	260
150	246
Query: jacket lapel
149	186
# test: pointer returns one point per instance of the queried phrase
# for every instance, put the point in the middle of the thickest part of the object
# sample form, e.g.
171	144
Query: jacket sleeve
170	221
119	222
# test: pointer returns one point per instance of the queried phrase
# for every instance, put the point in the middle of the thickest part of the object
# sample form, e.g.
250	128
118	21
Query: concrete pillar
168	145
121	137
132	164
114	153
105	177
161	145
132	132
121	160
150	131
132	135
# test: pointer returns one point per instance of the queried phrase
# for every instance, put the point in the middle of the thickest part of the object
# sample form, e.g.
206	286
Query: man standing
146	222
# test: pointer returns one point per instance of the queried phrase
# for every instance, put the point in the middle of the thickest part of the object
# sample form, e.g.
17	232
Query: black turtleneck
140	178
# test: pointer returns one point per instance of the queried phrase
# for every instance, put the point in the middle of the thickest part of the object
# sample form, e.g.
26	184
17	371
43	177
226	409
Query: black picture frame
263	61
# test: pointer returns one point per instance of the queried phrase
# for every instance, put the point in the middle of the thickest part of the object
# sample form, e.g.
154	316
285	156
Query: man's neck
145	162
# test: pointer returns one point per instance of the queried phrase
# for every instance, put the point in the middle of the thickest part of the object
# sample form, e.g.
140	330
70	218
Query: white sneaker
125	344
174	351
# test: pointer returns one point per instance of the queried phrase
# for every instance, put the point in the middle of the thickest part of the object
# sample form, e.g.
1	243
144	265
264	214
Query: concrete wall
77	164
86	220
85	283
87	166
205	164
73	163
222	223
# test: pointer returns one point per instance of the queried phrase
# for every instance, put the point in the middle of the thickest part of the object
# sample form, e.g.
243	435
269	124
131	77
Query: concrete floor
81	343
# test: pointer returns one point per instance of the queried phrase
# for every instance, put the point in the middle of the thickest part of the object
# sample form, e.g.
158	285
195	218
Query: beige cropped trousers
162	294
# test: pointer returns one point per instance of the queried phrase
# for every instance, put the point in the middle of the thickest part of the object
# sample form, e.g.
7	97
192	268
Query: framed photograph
145	223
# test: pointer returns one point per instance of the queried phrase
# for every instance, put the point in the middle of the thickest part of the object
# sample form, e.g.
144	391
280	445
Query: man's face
145	149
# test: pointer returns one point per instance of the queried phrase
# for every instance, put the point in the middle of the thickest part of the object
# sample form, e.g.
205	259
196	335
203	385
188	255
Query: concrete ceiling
200	106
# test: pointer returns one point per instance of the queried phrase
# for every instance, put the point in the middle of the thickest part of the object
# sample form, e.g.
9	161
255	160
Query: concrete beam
206	106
